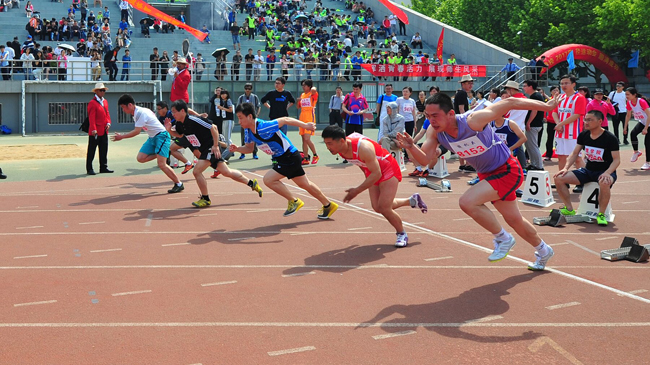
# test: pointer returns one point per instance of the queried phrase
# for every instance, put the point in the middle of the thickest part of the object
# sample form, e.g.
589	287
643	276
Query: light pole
521	44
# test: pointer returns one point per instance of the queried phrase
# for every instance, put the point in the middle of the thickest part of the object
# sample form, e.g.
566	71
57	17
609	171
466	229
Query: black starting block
630	250
443	187
556	219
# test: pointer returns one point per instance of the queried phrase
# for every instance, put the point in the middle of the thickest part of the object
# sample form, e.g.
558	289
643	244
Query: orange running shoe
187	168
314	160
216	174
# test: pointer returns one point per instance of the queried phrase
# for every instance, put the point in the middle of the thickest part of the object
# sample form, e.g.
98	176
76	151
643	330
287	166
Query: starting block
443	187
630	250
556	219
440	169
399	156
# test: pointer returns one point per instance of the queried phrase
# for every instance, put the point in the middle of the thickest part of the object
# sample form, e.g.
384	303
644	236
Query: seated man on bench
603	157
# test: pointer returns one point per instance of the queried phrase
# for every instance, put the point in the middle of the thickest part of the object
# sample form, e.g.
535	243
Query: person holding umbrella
145	23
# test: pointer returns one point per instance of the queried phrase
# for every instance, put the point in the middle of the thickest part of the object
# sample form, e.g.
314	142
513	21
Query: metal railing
525	73
81	69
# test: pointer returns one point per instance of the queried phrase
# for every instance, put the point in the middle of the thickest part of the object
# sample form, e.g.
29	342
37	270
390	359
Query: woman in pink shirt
603	105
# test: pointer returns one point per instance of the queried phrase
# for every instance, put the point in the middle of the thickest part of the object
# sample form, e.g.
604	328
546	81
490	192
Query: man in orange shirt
307	103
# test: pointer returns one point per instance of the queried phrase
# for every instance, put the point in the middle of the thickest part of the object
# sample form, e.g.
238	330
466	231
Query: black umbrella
147	20
220	52
301	17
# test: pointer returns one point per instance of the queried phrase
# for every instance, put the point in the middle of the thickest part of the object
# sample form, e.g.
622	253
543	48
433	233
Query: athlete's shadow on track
468	306
344	259
116	199
253	236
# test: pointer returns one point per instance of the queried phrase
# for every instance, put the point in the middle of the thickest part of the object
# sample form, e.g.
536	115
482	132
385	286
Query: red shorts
506	179
389	168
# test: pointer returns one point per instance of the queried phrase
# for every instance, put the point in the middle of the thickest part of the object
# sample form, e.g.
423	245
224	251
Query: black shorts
207	155
289	165
183	142
586	176
353	128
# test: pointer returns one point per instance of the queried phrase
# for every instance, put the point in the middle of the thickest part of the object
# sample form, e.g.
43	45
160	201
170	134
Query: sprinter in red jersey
382	176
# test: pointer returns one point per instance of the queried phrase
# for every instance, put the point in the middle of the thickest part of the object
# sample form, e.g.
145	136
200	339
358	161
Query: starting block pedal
630	250
556	219
443	187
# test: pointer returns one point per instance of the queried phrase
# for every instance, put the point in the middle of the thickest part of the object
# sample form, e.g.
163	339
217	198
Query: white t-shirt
406	107
620	99
258	61
146	119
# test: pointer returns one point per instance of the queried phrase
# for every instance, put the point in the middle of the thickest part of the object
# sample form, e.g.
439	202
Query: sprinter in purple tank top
470	137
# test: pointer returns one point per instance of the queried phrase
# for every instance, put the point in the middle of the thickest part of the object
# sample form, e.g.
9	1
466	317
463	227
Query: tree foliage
614	26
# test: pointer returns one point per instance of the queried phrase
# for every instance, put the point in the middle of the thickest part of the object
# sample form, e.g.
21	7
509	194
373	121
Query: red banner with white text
148	9
384	70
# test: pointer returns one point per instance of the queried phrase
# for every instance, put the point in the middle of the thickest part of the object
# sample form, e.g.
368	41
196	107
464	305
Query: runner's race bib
502	136
594	154
265	148
306	102
193	140
640	117
469	147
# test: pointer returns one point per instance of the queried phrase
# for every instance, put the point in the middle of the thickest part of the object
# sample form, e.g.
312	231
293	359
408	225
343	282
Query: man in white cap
99	122
181	81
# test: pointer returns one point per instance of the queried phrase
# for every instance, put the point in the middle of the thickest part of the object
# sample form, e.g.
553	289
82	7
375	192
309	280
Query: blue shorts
235	39
585	176
157	145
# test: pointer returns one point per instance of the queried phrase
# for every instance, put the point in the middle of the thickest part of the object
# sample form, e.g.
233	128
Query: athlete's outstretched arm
296	123
478	120
421	155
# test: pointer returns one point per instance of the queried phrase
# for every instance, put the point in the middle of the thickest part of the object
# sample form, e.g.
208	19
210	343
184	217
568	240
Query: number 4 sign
589	204
538	189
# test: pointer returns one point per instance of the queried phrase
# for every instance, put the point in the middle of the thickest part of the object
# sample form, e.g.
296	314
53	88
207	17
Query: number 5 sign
538	189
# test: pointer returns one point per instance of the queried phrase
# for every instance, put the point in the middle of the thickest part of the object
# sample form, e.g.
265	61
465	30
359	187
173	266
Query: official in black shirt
603	157
278	101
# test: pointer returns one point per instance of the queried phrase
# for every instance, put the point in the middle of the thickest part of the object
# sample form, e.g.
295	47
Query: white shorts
564	146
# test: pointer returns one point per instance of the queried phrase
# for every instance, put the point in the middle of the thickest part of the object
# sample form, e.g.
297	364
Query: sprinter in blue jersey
287	161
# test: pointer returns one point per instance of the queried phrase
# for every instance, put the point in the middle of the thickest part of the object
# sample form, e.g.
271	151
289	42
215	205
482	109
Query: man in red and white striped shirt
569	121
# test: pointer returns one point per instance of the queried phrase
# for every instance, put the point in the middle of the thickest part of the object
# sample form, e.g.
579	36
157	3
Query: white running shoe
540	262
501	249
636	156
402	240
646	166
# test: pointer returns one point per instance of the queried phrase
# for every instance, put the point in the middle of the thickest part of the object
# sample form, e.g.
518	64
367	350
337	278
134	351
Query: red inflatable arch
589	54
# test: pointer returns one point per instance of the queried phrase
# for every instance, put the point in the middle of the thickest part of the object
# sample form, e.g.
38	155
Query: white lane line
358	228
176	198
107	250
565	305
92	222
29	257
484	319
636	291
560	244
34	303
291	351
147	223
205	215
175	244
28	207
298	274
351	267
485	249
257	211
30	227
241	238
462	219
320	324
420	223
636	201
606	238
131	292
220	283
439	258
396	334
584	248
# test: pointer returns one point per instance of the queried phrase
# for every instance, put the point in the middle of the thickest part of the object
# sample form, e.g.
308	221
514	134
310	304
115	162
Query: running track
109	270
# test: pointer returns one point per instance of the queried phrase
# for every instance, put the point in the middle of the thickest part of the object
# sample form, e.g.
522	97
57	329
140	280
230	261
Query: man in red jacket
99	123
181	81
